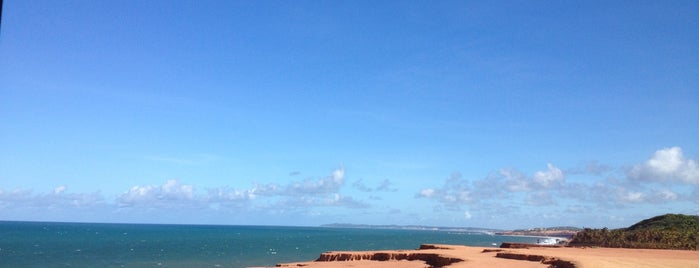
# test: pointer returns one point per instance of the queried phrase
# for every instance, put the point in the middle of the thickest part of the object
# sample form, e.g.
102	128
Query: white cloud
550	187
512	180
455	192
59	189
136	195
338	200
174	191
385	186
339	175
592	168
602	193
14	196
667	195
57	200
308	193
632	197
326	185
169	201
578	209
428	193
660	196
507	184
551	177
541	198
515	181
467	215
464	196
330	200
361	186
226	195
667	165
265	189
171	193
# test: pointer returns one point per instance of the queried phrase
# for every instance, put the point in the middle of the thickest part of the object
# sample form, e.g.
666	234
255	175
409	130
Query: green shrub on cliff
669	231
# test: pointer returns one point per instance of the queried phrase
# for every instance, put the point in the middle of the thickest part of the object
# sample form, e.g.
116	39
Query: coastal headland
528	257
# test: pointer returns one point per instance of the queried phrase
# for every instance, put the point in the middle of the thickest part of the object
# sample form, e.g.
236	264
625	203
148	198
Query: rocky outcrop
432	246
432	256
431	259
552	262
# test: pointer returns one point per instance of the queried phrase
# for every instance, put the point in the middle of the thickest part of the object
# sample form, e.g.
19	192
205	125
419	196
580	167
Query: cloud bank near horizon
666	177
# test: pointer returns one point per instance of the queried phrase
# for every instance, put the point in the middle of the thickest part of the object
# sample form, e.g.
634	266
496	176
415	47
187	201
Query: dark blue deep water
38	244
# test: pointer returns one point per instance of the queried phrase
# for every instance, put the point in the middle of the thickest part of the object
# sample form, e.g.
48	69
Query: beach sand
534	257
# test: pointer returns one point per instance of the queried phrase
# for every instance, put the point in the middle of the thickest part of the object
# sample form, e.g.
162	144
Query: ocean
41	244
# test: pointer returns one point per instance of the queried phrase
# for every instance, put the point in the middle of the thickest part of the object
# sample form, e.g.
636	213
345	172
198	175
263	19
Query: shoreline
437	255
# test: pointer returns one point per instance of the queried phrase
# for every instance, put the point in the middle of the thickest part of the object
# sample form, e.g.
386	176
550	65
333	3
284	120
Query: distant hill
560	231
674	222
669	231
555	228
412	227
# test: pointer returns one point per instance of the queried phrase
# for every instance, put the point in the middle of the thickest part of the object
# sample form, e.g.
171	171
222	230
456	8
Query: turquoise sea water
36	244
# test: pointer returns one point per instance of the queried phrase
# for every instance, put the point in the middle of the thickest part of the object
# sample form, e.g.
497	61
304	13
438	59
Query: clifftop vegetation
669	231
673	222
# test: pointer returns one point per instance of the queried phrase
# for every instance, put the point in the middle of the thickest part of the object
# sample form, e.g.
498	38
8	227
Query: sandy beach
534	257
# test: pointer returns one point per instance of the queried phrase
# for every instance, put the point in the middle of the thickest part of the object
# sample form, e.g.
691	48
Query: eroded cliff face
431	259
552	262
431	256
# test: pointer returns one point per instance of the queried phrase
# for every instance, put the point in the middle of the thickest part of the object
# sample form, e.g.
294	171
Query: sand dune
535	257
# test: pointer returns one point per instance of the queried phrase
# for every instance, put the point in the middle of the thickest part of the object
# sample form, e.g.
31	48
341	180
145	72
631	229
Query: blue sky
490	114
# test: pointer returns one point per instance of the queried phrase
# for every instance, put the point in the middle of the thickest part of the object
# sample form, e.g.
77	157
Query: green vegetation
676	222
669	231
